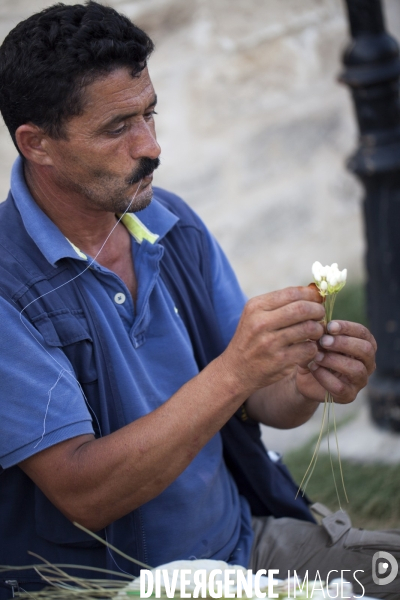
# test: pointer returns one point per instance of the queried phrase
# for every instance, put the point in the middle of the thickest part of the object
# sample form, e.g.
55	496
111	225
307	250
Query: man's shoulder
9	227
9	216
178	207
4	206
21	263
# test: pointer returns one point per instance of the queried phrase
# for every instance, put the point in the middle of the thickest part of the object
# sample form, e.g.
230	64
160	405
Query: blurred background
255	131
254	127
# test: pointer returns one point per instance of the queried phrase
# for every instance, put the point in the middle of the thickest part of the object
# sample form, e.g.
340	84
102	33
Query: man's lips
144	181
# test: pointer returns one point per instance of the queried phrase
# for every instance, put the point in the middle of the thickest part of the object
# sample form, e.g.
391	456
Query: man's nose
144	142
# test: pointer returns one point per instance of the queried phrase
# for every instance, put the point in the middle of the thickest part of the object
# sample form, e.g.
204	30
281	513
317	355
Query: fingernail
318	357
333	327
312	366
326	340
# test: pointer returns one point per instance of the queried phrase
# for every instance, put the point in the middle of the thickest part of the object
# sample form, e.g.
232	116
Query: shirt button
119	298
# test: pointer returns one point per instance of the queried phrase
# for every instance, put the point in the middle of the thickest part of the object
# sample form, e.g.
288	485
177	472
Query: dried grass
63	586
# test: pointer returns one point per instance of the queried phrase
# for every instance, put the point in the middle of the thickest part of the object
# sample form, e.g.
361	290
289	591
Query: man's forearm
96	481
280	405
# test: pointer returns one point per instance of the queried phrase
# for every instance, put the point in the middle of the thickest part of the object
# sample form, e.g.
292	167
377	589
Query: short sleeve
228	297
41	403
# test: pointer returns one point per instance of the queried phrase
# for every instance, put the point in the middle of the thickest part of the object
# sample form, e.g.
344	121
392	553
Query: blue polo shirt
200	515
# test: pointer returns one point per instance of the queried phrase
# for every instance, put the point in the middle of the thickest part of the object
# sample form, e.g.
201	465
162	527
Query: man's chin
142	199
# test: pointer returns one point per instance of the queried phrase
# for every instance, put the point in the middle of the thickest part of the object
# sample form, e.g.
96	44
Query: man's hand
277	332
345	360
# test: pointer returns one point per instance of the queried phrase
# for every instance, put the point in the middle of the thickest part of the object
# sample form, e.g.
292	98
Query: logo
384	568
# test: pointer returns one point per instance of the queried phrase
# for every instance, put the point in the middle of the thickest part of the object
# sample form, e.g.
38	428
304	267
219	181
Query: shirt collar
154	223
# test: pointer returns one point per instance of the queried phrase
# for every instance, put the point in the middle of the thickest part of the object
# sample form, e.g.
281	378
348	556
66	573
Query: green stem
314	457
337	447
330	401
329	302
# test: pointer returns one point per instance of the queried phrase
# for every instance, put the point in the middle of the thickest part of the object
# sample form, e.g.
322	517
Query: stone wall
254	127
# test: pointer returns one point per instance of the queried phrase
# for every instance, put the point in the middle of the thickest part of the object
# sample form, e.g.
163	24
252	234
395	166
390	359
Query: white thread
84	270
113	559
63	370
69	281
25	592
47	407
87	403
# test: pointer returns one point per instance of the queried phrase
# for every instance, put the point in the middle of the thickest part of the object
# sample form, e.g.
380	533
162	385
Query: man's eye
150	114
118	131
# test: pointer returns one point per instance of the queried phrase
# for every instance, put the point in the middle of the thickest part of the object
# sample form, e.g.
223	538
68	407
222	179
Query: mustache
145	167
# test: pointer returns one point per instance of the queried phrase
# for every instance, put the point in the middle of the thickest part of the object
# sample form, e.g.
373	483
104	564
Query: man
110	304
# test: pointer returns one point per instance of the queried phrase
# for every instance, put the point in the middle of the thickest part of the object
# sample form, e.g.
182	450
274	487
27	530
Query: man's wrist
235	384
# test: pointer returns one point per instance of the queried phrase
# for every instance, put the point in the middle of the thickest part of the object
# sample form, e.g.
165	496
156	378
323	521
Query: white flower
316	271
323	286
328	279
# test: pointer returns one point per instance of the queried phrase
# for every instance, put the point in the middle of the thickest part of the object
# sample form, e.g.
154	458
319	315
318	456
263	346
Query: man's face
111	146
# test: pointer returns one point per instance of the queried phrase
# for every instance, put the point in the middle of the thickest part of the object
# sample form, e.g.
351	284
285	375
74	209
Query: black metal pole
372	71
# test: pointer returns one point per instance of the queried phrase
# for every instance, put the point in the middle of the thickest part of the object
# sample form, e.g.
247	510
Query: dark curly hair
47	60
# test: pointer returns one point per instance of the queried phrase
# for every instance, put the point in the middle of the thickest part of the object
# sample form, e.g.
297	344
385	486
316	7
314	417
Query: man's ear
32	142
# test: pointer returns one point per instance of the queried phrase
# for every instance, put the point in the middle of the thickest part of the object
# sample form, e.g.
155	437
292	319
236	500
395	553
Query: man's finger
297	312
342	391
351	329
301	353
361	349
274	300
355	371
300	332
